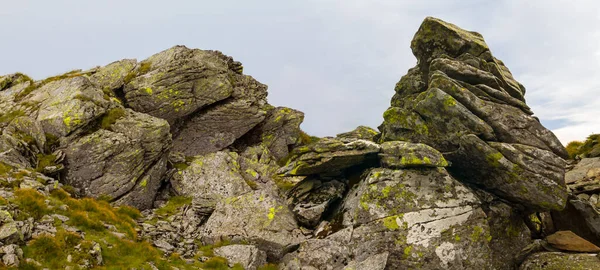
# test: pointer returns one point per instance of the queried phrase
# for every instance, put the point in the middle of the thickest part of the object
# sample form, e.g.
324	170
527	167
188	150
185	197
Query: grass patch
173	205
8	117
573	148
111	117
145	67
31	203
307	139
44	161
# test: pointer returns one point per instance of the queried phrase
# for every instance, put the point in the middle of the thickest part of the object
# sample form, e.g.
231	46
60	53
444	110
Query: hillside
179	162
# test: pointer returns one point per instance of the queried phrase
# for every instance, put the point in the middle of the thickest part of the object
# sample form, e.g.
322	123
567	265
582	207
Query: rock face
464	102
462	176
128	156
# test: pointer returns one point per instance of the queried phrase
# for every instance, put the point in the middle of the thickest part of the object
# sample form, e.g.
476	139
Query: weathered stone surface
112	76
211	177
423	217
567	240
177	82
396	155
278	132
119	160
560	261
312	197
259	218
465	103
330	156
217	127
522	174
68	104
361	132
247	256
509	235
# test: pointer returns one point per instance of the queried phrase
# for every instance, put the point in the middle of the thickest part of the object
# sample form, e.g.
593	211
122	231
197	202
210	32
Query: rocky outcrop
462	175
464	102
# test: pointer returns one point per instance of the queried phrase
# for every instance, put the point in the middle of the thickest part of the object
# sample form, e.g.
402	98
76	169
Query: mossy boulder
66	105
211	177
114	75
177	82
464	102
127	157
260	218
397	155
330	156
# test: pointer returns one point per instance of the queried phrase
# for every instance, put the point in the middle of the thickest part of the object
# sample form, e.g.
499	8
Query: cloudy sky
336	60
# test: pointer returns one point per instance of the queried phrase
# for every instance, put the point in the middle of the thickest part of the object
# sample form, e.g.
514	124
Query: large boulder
211	177
202	94
67	104
464	102
177	82
126	156
260	218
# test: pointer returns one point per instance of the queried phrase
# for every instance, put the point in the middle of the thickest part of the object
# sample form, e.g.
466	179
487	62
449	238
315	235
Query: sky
335	60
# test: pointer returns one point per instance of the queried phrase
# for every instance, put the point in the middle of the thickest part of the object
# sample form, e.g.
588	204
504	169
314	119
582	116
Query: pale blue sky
336	60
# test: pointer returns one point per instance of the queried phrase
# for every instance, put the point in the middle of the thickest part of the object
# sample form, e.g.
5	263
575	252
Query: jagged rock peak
465	103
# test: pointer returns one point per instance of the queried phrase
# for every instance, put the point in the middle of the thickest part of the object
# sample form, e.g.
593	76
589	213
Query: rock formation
460	176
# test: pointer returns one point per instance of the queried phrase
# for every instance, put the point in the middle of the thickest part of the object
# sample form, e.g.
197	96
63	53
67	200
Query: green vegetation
589	148
307	139
173	205
44	161
111	117
8	117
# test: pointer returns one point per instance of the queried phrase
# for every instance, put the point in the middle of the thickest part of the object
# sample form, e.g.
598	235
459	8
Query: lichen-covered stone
361	132
279	131
509	234
117	161
560	261
177	82
330	156
112	76
465	103
68	104
211	177
259	218
397	154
